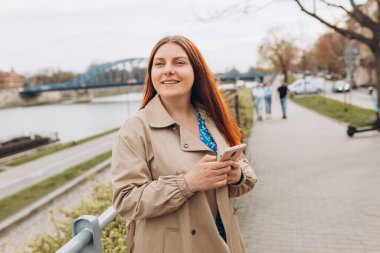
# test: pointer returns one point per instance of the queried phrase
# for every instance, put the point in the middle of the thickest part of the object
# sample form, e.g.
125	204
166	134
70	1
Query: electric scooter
351	130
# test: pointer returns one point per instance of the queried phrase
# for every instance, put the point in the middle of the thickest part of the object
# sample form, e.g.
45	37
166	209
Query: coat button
193	231
185	145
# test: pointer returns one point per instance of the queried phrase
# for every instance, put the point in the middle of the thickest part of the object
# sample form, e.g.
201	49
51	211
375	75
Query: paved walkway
19	177
317	190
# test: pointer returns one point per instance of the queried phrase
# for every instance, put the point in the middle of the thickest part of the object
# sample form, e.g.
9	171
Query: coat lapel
222	198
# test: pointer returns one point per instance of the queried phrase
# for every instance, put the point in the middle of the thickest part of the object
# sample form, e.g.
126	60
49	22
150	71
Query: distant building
9	80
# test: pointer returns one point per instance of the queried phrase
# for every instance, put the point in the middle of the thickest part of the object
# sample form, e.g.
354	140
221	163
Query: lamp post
350	54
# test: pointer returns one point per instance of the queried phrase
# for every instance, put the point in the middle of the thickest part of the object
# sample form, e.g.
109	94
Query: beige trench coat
149	159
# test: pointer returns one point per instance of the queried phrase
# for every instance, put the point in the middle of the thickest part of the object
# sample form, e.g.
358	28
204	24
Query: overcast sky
71	34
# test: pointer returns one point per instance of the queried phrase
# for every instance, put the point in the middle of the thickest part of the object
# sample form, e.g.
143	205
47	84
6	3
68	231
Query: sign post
350	54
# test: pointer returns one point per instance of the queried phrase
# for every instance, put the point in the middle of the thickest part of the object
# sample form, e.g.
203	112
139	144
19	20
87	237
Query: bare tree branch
244	7
345	32
356	14
362	18
335	5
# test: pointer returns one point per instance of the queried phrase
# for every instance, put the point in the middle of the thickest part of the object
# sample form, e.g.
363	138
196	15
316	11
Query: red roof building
9	80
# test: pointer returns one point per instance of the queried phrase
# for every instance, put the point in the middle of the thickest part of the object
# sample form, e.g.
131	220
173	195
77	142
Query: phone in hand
232	153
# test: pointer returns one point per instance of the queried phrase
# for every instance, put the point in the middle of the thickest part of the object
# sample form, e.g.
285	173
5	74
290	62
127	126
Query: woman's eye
180	62
158	64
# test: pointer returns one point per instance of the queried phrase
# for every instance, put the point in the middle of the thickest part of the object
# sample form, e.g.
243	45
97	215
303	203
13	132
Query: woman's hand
208	174
234	175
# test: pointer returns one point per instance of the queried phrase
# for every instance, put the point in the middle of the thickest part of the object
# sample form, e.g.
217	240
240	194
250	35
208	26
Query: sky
71	34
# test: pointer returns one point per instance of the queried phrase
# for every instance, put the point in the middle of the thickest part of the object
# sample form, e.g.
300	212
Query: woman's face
172	73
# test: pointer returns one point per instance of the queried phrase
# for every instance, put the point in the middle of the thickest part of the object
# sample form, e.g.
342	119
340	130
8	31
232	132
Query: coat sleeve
135	194
247	183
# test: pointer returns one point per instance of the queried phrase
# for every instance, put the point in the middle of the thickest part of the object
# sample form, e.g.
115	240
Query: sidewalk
317	190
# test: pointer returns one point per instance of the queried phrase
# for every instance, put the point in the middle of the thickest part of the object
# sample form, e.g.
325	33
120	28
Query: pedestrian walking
283	94
268	99
165	176
258	98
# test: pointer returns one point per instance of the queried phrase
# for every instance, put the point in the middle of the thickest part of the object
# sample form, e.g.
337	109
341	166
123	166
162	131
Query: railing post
91	224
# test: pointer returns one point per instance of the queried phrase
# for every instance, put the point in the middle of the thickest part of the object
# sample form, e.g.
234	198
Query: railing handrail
86	233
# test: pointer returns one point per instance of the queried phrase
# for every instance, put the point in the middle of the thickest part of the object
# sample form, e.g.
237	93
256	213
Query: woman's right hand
207	174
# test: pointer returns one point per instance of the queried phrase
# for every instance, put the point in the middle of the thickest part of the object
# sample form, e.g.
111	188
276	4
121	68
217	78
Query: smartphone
232	153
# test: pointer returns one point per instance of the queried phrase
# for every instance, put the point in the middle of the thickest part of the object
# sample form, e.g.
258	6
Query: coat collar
158	117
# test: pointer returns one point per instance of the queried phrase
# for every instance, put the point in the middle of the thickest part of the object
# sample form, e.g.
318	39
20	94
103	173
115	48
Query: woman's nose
168	69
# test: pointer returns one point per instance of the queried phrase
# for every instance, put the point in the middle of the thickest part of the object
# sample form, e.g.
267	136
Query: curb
25	212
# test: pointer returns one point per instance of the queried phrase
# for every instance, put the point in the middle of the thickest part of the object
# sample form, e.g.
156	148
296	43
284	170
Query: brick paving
318	190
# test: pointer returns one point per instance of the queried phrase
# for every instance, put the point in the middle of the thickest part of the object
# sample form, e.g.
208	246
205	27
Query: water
71	121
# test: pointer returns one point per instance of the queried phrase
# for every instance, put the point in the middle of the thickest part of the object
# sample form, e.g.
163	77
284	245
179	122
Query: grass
354	115
48	151
21	199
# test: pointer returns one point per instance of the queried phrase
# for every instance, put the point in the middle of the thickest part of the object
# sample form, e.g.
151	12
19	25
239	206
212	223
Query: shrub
113	235
245	108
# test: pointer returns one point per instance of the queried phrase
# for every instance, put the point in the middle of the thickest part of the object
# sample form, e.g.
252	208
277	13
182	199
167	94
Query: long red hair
204	91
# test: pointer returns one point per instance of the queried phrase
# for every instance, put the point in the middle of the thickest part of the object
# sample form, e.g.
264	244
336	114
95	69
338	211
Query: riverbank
10	97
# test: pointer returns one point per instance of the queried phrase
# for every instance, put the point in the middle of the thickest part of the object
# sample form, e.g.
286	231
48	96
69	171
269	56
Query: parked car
341	86
307	85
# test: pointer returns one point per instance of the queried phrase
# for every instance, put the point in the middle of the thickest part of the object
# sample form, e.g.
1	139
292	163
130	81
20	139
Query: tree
369	22
50	76
279	51
305	63
329	51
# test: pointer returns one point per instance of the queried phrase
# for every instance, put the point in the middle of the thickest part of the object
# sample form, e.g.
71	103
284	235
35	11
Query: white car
341	86
307	86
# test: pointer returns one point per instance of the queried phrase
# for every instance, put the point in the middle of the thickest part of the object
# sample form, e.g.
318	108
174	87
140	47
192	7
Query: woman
268	99
166	179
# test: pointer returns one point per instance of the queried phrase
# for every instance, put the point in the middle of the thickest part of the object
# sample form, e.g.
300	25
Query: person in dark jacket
283	94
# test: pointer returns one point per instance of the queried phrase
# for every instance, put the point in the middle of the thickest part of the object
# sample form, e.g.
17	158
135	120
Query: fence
86	233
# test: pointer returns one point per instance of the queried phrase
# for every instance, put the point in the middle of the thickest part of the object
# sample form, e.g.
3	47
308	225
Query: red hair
204	91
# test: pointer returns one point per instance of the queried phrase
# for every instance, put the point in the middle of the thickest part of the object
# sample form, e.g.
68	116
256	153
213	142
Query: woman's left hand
234	175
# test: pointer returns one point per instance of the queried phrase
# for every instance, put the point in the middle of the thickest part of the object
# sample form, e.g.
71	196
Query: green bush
245	108
113	235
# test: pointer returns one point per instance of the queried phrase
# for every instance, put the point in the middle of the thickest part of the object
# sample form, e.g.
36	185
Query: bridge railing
86	233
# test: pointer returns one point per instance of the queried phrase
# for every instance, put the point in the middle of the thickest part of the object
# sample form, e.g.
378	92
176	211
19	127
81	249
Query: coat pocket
171	241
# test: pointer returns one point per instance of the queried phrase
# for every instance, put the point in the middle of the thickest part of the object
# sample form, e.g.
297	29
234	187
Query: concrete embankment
11	97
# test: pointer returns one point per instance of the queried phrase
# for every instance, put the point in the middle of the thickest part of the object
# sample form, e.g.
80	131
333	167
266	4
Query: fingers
208	158
221	171
235	165
222	177
219	165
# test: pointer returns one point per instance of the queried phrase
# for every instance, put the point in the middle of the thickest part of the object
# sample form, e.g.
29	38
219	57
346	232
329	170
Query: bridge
118	73
113	74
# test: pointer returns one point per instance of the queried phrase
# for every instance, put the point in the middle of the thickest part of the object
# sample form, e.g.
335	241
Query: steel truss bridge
113	74
118	73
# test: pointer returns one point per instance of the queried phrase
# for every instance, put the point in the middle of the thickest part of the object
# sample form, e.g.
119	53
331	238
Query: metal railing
86	233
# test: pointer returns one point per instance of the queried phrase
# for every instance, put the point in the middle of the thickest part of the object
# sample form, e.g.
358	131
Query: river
71	121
